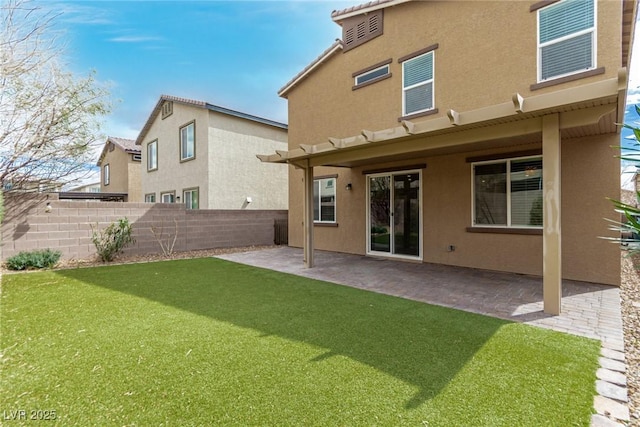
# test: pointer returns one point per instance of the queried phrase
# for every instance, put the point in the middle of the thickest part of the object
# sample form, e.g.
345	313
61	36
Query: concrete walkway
588	309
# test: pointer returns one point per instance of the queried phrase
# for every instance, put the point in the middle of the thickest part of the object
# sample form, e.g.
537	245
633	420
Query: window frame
318	201
431	81
594	42
150	168
172	194
184	197
357	84
106	174
184	158
150	198
508	194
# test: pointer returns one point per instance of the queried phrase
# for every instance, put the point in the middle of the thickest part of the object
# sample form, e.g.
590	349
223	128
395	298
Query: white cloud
134	39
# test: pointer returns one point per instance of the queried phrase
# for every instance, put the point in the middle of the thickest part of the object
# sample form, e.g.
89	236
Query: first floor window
508	193
324	200
188	142
190	198
107	174
152	155
167	197
150	198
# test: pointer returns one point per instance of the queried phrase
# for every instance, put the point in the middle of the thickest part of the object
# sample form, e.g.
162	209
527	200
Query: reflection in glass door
394	214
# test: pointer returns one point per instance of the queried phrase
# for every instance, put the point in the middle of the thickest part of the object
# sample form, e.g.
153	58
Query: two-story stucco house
468	133
203	155
120	163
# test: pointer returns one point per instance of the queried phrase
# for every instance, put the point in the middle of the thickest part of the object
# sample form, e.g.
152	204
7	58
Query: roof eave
335	47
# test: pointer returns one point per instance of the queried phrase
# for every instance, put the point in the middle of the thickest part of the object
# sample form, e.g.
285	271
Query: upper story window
417	84
324	200
566	38
152	155
360	29
106	174
508	193
188	142
150	198
370	76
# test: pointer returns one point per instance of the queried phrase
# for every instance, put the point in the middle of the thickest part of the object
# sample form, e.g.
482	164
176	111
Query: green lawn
210	342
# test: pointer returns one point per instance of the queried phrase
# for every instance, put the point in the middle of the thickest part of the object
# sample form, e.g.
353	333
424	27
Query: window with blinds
508	193
417	84
566	38
324	200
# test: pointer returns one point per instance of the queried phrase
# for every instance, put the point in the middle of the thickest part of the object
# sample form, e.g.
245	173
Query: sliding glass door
394	214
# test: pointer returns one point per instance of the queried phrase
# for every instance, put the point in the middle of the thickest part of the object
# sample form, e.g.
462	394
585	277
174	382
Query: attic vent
360	29
167	109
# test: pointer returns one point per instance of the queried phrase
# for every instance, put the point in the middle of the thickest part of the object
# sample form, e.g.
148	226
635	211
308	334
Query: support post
308	216
551	238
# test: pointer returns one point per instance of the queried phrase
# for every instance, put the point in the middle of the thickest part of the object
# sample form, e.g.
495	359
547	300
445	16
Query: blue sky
236	54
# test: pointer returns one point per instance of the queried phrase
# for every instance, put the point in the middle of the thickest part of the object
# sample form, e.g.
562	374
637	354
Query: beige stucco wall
124	174
226	170
487	52
235	171
447	213
172	174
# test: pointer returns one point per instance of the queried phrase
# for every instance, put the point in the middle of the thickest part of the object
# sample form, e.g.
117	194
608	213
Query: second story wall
236	174
483	53
171	175
118	165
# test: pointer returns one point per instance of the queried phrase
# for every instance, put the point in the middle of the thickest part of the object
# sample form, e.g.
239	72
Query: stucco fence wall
67	227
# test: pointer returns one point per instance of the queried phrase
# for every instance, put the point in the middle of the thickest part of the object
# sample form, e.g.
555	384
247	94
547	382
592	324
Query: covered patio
589	310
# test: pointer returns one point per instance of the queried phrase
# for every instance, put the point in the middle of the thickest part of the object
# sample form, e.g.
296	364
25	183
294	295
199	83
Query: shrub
113	239
46	258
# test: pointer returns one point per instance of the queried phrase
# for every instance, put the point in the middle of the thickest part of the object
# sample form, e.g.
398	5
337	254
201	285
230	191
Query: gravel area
630	306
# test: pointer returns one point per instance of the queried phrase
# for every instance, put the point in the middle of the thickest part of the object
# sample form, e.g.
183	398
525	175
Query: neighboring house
120	168
473	134
92	187
203	155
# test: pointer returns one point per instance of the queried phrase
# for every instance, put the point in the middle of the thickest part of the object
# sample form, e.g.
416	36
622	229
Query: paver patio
588	309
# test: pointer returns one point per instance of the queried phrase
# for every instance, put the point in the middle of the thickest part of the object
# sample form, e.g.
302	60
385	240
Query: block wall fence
67	227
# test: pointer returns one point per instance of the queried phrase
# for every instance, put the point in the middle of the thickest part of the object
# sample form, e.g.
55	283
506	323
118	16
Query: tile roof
338	15
374	3
128	145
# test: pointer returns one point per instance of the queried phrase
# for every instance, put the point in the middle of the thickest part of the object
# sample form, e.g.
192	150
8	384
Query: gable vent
360	29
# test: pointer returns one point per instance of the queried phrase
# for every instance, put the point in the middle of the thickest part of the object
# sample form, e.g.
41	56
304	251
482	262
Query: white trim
594	41
422	83
390	254
355	79
335	200
339	16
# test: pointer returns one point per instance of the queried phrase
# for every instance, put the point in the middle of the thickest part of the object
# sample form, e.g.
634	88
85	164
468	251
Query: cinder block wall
68	225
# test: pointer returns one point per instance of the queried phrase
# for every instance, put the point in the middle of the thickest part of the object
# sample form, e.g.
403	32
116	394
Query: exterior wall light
48	208
348	187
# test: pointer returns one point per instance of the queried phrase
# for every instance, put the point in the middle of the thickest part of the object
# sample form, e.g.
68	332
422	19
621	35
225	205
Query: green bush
24	260
113	239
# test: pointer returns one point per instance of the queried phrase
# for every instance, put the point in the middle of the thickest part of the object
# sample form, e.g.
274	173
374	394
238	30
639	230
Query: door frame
390	254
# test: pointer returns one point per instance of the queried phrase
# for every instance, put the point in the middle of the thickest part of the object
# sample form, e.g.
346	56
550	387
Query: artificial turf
211	342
